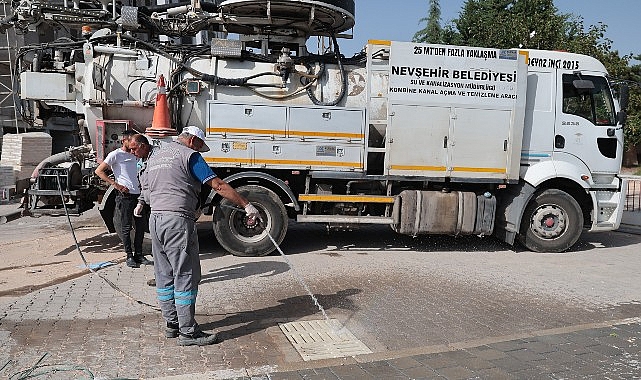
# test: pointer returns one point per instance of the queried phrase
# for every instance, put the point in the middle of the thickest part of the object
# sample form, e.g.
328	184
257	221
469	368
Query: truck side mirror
622	116
624	99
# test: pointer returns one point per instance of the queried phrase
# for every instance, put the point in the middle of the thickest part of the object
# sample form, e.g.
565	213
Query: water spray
297	276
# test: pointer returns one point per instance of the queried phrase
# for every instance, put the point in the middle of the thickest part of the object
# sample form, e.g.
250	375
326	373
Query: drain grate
322	339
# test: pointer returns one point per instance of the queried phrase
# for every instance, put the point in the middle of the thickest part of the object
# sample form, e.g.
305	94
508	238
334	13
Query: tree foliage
432	33
528	24
633	126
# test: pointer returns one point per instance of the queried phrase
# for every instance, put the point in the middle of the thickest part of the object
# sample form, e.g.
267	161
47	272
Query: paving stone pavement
609	352
594	351
454	308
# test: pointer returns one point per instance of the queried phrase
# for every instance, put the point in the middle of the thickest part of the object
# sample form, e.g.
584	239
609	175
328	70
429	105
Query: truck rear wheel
552	222
237	236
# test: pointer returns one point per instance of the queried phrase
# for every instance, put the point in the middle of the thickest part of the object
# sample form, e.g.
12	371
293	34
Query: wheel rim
246	232
548	221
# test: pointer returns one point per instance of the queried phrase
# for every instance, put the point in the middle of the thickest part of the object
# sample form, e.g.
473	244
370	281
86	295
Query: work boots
142	260
135	261
171	331
198	338
131	263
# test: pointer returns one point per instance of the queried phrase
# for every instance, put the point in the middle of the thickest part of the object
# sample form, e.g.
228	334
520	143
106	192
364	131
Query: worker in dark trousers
141	148
171	186
123	165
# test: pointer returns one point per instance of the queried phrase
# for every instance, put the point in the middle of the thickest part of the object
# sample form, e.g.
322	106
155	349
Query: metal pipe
113	50
135	103
56	159
84	133
59	158
178	10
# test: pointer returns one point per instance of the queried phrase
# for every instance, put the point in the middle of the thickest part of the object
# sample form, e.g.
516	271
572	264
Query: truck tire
552	222
240	239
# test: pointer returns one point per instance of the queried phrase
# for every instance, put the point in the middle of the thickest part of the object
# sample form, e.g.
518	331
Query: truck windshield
594	104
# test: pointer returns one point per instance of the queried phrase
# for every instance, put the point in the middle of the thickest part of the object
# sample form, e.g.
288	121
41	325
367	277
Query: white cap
195	131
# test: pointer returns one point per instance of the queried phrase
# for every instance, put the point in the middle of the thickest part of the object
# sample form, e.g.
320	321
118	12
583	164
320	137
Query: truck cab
572	143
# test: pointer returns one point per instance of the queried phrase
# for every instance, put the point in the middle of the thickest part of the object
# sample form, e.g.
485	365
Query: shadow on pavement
305	238
302	239
95	244
263	268
595	240
288	310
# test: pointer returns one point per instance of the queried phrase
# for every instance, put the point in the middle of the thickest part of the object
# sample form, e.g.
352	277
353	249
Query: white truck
524	145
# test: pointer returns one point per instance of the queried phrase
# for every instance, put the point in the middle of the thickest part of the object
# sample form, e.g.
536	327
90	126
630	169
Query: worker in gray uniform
171	186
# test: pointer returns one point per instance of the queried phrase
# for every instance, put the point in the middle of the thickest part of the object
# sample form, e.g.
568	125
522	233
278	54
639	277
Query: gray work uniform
173	192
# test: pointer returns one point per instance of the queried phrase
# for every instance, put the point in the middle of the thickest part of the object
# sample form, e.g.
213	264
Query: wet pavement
428	307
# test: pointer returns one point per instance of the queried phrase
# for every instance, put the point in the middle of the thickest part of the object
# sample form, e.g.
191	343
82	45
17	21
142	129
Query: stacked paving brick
6	172
6	176
22	153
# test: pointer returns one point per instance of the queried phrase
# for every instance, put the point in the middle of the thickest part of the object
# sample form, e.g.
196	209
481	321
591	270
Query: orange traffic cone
161	123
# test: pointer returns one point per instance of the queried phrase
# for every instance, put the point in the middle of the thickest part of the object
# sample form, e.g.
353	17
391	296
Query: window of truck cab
593	104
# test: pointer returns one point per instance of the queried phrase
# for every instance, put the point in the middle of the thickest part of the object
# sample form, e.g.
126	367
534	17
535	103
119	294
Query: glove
138	210
252	213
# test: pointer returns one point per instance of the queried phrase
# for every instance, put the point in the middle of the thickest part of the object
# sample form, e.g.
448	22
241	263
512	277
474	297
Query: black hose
157	50
341	68
235	81
82	256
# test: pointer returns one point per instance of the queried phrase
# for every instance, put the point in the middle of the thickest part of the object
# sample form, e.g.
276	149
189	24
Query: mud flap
509	211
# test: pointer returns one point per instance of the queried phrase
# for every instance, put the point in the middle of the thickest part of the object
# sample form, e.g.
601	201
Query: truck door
417	140
479	143
540	116
586	125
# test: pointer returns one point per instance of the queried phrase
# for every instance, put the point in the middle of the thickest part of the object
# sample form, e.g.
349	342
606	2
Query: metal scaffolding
8	47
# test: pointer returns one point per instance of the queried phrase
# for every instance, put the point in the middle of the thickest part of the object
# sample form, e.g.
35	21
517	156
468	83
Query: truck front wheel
241	238
552	222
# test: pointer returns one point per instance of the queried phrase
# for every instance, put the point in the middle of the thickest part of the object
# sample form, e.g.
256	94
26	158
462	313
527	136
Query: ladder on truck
8	46
378	55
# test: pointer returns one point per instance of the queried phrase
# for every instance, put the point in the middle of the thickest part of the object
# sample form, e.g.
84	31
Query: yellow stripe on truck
225	160
380	42
419	168
249	131
250	161
327	134
526	54
480	170
345	198
443	168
